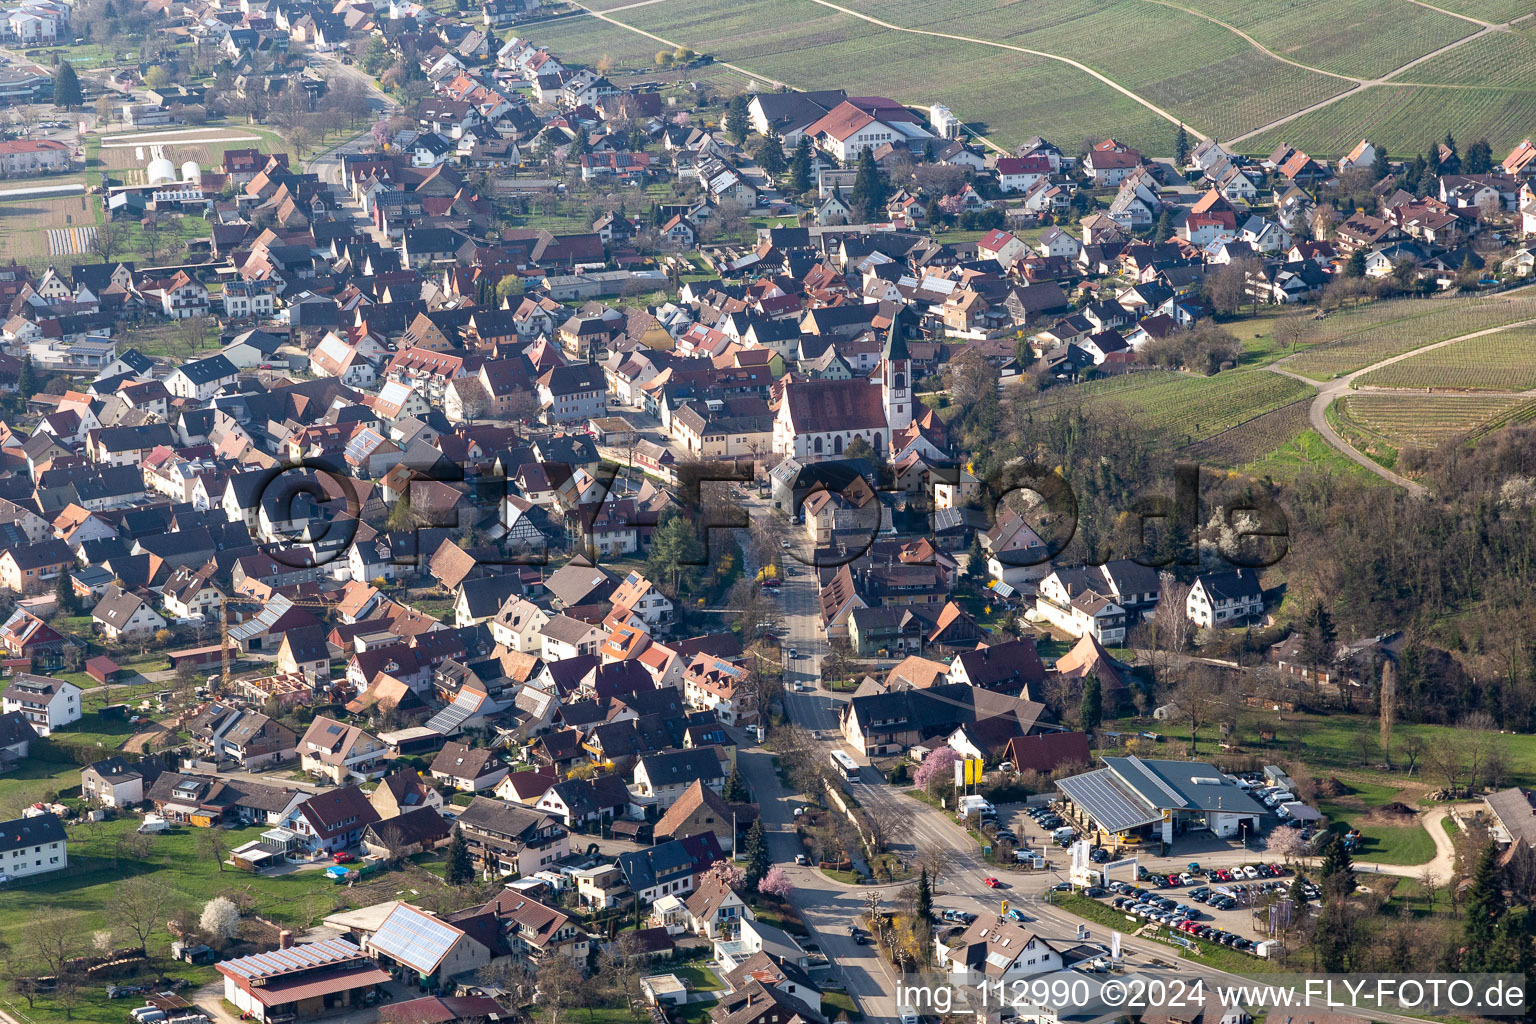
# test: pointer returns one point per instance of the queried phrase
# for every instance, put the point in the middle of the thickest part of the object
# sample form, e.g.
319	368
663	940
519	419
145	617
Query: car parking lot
1211	905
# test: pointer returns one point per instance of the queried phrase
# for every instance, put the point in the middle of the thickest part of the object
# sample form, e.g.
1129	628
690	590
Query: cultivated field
1232	87
810	46
1497	59
1407	117
26	225
1348	340
1185	56
1422	421
1308	454
1248	442
1364	38
1494	362
128	154
1178	409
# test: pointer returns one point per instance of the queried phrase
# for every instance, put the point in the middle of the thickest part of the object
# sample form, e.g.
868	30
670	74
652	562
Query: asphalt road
328	163
828	907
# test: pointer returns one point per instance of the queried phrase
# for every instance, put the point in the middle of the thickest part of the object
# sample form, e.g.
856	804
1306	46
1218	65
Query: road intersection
828	907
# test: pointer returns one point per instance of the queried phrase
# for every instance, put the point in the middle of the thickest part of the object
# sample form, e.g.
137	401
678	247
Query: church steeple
896	374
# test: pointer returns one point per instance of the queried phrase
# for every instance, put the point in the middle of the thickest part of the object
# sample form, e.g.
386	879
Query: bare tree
138	906
192	334
392	837
18	969
1226	288
213	845
886	827
560	986
936	860
56	939
1387	697
1290	329
1170	632
1447	757
151	233
1200	699
107	241
1412	749
473	399
510	975
1324	217
621	966
969	376
1477	732
730	215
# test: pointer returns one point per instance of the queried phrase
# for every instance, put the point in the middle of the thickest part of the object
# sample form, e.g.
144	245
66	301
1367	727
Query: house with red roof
1018	173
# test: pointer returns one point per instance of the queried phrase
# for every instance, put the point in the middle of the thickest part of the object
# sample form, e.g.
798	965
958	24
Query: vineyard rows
1423	421
1365	38
1248	442
1178	410
1399	117
1348	340
1008	96
1495	362
1232	87
1499	58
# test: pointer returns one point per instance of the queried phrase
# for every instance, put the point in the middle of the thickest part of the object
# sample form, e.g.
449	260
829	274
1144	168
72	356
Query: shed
634	831
664	990
1301	812
210	655
103	669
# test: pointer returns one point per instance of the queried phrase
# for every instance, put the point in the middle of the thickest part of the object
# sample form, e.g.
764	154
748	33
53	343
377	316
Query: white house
46	702
32	846
993	950
1079	602
1227	598
202	379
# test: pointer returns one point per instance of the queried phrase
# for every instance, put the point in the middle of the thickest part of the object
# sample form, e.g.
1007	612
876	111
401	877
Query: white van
1065	832
1030	859
907	1015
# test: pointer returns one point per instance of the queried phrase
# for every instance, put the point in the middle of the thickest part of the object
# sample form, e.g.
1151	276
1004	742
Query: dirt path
1441	867
1245	37
1122	90
1159	111
1327	391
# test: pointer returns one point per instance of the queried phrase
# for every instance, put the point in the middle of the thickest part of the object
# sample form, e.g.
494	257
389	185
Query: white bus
845	766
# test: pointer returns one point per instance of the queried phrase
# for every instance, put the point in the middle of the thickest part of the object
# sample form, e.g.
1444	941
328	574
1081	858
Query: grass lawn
94	1007
1380	842
437	607
846	877
177	859
771	916
701	979
1347	743
94	730
1451	828
832	1002
30	781
1308	452
695	1012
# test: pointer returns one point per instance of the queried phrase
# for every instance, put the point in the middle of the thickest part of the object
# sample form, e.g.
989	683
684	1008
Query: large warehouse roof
1130	792
1107	802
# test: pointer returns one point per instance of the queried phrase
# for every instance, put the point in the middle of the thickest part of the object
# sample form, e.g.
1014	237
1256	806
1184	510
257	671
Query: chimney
285	939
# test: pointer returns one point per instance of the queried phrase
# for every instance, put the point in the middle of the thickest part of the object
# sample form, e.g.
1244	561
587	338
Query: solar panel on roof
414	939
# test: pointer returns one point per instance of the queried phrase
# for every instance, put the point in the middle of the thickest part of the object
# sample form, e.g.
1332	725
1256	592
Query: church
819	419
